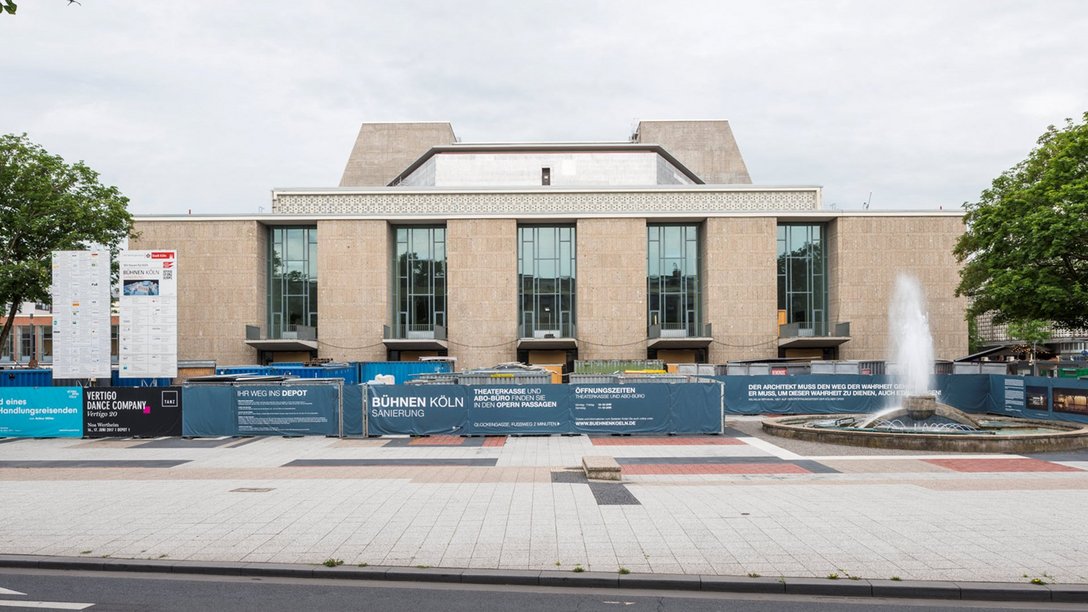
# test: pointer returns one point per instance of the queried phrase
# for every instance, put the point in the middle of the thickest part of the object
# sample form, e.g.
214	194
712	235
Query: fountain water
920	421
911	341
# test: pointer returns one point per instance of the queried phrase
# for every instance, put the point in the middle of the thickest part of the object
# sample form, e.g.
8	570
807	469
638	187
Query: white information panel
81	314
149	314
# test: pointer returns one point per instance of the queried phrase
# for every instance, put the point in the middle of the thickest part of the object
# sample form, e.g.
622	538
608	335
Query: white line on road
45	605
4	591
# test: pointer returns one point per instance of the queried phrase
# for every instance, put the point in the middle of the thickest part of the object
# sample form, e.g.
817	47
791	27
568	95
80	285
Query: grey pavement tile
185	443
612	494
453	461
94	463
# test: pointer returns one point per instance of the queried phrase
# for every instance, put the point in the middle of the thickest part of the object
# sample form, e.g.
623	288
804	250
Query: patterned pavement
738	504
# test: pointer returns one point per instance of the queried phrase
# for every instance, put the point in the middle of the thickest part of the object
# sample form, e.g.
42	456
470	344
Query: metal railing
549	330
814	329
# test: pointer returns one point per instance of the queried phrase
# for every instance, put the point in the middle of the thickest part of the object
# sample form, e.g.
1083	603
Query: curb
969	591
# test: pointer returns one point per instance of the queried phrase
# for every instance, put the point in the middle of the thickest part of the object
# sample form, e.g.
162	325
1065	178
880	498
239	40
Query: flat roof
547	147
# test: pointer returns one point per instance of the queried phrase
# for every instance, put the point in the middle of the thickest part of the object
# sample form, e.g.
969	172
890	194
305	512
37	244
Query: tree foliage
1025	250
8	6
48	205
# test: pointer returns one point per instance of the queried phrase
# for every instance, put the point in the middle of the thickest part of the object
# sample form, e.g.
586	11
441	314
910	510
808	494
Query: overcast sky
208	105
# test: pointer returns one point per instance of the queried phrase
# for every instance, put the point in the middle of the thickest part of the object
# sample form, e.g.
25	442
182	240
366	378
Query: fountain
921	422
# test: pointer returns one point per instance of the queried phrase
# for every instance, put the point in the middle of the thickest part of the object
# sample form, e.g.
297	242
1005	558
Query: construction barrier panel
41	412
148	412
547	409
270	409
845	393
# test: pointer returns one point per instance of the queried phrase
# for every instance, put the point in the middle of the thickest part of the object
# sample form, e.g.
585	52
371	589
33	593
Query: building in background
659	246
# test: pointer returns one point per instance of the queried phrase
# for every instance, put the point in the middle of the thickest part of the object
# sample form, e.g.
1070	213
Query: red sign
162	255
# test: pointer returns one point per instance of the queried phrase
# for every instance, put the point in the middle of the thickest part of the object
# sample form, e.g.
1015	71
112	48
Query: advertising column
149	314
81	314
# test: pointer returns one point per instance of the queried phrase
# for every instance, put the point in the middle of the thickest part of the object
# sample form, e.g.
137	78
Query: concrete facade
740	298
353	290
383	150
482	305
488	190
866	253
611	288
707	148
222	283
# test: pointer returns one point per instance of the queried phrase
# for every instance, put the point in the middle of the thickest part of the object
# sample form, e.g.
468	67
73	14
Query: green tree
1024	252
48	205
8	6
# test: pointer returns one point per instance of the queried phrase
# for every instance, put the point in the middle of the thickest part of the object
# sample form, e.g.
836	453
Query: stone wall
482	305
222	283
865	254
611	286
740	290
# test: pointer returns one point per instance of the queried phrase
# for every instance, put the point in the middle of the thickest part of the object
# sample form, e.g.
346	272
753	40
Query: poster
81	314
41	412
149	314
131	411
287	410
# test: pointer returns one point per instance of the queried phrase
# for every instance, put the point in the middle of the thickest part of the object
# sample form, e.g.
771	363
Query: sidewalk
736	505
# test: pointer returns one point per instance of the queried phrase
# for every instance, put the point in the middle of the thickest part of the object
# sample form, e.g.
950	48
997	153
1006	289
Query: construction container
243	369
835	367
695	369
871	368
611	366
509	376
192	368
438	378
980	367
556	369
348	372
747	369
26	378
591	379
651	378
1072	372
401	371
117	381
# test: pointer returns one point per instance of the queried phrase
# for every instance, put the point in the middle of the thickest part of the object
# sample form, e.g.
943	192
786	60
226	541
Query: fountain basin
996	434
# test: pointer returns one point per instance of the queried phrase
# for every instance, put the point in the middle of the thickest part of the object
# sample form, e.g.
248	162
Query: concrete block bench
601	468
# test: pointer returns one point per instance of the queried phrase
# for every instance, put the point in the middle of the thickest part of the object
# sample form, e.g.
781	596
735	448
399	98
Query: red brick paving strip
669	441
437	441
712	468
1001	465
495	441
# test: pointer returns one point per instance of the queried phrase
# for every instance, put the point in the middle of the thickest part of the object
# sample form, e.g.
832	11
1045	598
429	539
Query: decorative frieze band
544	203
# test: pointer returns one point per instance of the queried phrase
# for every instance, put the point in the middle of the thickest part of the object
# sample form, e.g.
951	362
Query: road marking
616	603
4	591
45	605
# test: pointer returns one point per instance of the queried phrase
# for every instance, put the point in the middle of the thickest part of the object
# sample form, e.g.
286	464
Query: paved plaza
733	505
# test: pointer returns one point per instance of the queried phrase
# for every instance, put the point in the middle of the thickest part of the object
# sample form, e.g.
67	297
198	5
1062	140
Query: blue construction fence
333	408
1027	396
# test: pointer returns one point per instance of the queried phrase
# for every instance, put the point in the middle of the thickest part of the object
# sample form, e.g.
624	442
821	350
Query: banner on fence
844	393
256	410
131	411
41	412
546	409
1041	398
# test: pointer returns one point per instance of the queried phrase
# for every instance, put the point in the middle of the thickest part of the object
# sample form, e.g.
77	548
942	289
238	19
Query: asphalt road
103	591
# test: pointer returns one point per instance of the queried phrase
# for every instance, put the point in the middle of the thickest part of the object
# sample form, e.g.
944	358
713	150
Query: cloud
206	105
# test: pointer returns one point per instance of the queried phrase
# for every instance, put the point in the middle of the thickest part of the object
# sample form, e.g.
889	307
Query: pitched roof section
707	148
383	150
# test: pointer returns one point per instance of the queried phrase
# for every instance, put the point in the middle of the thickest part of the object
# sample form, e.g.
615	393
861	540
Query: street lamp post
33	363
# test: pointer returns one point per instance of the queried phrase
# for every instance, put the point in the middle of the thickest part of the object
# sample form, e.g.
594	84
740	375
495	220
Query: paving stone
917	589
825	586
1002	591
579	579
